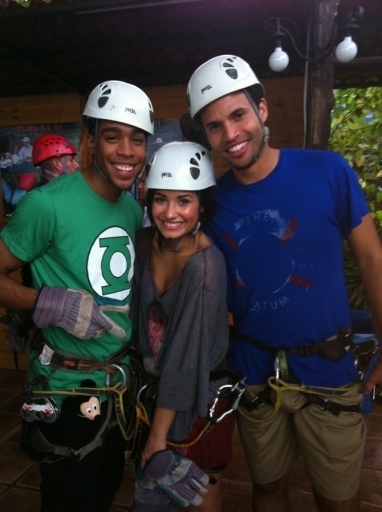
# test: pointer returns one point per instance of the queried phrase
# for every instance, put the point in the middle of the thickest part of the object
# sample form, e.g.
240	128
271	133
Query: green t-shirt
73	238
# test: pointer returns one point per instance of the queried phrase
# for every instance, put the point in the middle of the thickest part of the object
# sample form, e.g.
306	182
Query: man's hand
77	312
375	378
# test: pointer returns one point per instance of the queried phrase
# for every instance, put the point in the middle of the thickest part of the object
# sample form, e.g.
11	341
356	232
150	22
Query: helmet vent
112	101
231	71
194	161
105	94
195	172
102	102
151	110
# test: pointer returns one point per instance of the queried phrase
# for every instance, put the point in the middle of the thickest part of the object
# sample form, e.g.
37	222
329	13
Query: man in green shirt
78	235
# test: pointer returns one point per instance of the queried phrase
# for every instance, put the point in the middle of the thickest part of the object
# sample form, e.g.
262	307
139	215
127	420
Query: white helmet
120	102
181	166
217	77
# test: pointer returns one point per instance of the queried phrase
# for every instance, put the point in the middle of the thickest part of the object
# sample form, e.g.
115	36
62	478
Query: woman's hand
157	440
153	446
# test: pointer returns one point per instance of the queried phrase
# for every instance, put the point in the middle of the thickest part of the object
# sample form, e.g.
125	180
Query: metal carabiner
238	388
217	397
121	370
277	369
138	398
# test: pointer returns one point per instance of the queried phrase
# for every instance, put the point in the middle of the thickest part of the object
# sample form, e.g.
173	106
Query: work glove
149	497
77	312
177	476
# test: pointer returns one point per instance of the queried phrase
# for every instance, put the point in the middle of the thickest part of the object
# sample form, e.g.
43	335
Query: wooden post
319	75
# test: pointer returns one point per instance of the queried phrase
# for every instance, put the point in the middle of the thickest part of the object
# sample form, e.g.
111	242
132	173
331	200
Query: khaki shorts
332	446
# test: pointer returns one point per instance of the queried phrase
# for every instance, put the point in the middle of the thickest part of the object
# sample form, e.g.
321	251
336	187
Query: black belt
332	348
264	397
326	405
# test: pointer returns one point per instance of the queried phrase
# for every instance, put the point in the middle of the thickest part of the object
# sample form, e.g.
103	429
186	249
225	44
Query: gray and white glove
180	478
149	497
77	312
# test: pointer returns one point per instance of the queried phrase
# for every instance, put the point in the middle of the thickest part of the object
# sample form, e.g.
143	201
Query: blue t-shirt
282	238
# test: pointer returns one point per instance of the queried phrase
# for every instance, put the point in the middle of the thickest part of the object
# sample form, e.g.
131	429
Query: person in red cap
55	155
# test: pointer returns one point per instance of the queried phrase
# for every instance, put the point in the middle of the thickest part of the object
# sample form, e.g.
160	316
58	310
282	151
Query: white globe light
279	60
346	50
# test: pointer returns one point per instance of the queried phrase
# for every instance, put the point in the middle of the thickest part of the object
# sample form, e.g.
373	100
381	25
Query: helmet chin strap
64	160
97	166
99	170
64	164
51	173
264	128
179	244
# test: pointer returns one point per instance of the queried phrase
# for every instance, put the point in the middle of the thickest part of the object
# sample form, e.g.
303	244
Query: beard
248	165
252	161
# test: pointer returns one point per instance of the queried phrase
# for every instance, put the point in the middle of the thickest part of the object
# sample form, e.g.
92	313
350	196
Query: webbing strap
73	362
116	392
311	393
284	386
41	444
333	348
143	417
327	405
235	389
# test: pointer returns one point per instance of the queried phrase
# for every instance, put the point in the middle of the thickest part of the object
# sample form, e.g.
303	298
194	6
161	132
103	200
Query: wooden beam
319	79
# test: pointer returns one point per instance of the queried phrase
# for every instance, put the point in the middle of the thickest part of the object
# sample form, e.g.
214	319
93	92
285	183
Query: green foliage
26	3
356	133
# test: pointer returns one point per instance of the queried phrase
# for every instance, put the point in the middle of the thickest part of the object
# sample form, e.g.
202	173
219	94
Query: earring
196	228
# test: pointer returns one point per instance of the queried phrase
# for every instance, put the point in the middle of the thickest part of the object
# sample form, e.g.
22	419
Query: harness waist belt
78	364
69	361
333	348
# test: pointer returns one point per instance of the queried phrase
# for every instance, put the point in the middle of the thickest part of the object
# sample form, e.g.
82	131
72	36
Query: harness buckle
257	402
325	405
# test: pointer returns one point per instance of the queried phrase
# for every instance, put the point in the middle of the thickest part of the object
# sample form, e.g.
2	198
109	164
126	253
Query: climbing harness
39	448
41	406
226	401
271	395
334	348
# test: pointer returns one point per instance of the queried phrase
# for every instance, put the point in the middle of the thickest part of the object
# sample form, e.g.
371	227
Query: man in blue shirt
281	218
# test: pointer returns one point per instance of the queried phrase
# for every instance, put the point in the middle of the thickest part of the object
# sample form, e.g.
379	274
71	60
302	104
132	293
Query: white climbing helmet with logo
120	102
180	166
217	77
